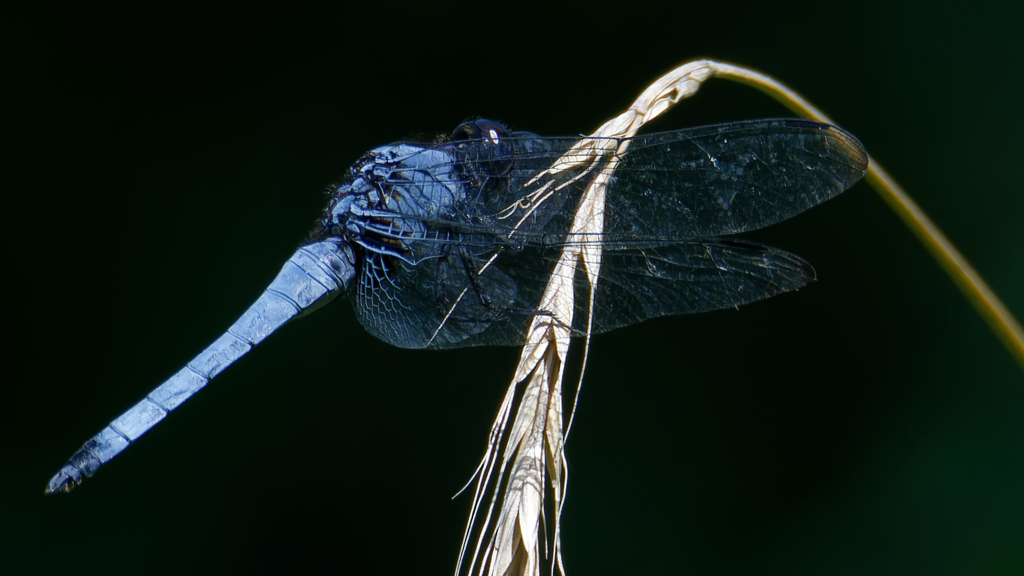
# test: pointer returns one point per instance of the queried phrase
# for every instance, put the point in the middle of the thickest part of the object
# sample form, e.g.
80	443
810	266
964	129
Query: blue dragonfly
450	244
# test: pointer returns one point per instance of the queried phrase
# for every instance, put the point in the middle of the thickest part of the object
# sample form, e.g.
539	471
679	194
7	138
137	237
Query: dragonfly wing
730	178
438	303
689	277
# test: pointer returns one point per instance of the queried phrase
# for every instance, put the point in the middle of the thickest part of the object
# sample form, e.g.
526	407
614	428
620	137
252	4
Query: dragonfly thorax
395	197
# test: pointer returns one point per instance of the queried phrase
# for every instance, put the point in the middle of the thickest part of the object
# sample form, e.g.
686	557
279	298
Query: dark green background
161	167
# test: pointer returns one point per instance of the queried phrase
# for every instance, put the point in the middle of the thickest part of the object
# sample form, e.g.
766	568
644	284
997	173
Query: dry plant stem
510	541
966	278
528	458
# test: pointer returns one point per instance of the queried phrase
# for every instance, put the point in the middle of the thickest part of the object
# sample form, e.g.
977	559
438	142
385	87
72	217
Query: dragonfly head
487	130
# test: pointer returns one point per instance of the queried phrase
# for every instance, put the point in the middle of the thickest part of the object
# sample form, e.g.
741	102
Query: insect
450	244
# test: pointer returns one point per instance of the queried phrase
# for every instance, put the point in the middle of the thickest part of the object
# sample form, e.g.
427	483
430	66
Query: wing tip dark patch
848	144
807	274
803	272
851	148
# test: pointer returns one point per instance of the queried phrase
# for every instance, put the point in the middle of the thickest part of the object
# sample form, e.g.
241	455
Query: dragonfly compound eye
481	129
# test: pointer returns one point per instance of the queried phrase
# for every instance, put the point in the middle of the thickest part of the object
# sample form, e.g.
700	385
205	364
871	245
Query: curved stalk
1000	320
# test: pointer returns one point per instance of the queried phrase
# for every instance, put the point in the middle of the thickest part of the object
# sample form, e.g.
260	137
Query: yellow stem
1002	322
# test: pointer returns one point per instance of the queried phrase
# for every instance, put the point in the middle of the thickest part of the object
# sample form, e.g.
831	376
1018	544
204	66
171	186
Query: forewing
671	193
729	178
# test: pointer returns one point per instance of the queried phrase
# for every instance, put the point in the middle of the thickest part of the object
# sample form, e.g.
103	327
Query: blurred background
165	164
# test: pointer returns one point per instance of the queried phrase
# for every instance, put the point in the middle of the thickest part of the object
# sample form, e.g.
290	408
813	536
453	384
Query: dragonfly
451	243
